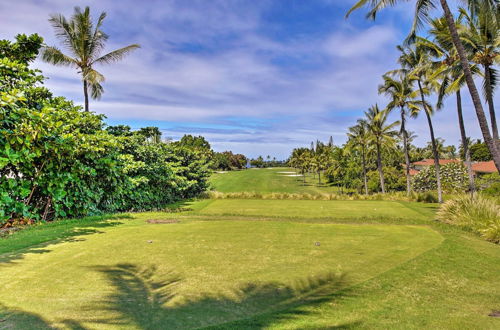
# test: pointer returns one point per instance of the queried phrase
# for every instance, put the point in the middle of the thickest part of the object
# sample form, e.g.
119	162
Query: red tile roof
413	172
484	167
430	162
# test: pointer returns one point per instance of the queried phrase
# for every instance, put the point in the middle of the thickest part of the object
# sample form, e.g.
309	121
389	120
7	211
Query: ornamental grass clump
477	213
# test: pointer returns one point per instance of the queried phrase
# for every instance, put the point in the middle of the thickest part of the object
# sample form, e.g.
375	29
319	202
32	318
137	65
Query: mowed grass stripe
309	209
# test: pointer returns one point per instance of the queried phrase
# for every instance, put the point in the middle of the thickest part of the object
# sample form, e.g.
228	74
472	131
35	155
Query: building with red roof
479	168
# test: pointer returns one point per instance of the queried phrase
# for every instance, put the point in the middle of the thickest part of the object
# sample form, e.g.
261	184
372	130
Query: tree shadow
35	240
140	299
14	318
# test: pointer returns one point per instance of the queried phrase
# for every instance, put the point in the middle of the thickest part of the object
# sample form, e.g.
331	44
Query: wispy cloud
253	76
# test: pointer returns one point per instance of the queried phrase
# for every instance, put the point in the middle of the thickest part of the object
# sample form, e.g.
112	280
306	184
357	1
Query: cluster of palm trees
458	51
315	159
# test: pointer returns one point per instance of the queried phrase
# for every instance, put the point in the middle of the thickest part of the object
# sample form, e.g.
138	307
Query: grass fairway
268	180
252	264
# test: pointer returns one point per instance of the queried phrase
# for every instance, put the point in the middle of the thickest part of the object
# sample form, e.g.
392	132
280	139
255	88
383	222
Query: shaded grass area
268	180
32	239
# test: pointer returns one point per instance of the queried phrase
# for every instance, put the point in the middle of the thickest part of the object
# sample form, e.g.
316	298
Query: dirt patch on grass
160	221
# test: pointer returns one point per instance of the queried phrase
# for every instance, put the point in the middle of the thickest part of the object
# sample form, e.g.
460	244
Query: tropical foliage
59	161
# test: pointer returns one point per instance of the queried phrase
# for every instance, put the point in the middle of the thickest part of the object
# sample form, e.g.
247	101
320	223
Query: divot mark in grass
494	313
162	221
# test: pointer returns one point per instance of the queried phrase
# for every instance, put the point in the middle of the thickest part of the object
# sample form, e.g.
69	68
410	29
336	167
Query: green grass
315	209
252	264
268	180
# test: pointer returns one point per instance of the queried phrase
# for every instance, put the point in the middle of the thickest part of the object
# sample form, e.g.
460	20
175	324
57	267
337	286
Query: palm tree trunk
405	148
465	142
379	166
491	105
86	95
364	170
433	141
481	117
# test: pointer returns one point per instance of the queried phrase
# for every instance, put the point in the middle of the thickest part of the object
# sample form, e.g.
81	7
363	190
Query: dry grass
477	213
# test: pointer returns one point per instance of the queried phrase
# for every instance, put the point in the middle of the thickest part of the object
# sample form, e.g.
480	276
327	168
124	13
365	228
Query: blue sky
256	77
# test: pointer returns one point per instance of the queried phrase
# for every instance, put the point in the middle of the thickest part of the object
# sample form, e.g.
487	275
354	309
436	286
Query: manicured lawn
213	271
268	180
318	209
252	264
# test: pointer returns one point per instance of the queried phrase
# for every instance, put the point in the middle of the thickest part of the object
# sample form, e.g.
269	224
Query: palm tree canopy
84	40
381	132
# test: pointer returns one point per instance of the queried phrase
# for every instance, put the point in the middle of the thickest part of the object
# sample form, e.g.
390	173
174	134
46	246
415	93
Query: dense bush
59	161
227	161
477	213
393	177
489	184
453	178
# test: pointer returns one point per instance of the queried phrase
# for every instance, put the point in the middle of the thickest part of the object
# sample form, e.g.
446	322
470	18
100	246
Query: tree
381	135
480	152
415	61
450	72
151	134
85	42
358	138
422	13
403	97
481	39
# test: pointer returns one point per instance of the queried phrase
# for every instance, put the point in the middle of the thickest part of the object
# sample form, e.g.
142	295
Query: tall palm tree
85	42
403	98
358	136
416	62
452	77
381	135
422	13
482	39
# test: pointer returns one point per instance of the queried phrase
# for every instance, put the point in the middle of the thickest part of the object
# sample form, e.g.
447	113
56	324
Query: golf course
250	264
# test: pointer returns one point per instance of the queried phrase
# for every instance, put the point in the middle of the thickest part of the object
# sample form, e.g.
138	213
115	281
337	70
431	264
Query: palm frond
116	55
57	57
96	90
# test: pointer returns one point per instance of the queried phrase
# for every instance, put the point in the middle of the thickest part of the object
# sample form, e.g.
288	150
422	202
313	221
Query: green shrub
453	178
477	213
426	197
57	161
489	184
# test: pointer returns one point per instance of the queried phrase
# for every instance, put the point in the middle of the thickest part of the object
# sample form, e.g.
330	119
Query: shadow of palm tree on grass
141	300
34	240
13	318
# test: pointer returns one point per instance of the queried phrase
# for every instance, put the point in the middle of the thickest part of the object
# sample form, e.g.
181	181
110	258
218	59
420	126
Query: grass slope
206	267
252	264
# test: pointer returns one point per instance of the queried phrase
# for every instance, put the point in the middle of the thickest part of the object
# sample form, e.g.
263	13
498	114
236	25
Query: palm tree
403	97
416	62
381	135
482	39
422	12
452	77
85	42
359	139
